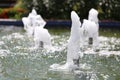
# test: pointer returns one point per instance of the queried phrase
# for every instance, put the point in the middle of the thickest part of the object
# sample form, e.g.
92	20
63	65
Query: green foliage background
60	9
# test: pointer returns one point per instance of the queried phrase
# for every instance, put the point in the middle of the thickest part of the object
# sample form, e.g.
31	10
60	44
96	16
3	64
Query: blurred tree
41	8
56	8
85	6
115	10
110	9
60	9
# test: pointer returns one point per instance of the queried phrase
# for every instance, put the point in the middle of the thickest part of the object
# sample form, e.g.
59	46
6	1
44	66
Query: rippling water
18	61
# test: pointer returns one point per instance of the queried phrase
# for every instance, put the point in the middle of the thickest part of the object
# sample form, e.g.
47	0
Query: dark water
18	61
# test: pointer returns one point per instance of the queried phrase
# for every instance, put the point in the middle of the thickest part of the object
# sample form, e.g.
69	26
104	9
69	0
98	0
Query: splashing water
34	26
73	46
19	62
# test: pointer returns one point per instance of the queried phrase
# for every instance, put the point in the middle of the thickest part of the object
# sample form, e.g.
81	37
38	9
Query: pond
18	61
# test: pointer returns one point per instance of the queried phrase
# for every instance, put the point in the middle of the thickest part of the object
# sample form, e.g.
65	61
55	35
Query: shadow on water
18	61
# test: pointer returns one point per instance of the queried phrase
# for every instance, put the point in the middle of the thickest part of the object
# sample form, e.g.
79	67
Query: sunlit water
18	61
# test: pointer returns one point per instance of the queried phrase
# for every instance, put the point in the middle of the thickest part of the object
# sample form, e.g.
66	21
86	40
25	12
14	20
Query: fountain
27	26
91	28
32	21
73	47
35	19
42	38
34	26
18	62
93	15
90	32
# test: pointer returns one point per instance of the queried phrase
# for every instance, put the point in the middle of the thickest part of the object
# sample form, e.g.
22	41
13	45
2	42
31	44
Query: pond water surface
18	61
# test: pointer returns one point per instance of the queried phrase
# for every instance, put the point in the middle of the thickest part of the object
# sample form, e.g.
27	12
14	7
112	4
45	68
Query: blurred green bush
60	9
12	13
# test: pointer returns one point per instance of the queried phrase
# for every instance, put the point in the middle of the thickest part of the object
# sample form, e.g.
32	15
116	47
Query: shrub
14	13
